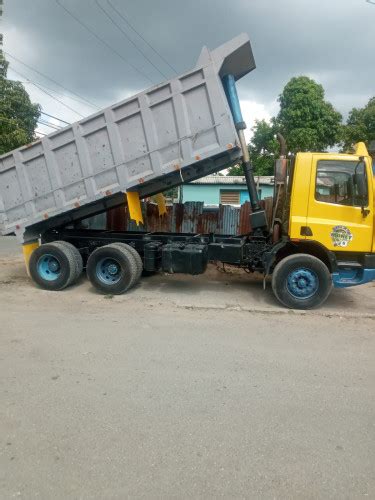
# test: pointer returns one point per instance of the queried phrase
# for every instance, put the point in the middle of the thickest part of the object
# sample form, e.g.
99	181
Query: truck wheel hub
112	269
302	283
53	266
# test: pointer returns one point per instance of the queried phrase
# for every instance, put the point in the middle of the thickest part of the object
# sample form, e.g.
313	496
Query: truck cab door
337	216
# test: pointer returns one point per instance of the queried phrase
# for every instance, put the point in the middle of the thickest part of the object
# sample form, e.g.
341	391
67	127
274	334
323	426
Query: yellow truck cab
331	218
326	206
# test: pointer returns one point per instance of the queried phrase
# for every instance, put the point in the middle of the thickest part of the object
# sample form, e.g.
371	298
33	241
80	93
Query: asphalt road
180	390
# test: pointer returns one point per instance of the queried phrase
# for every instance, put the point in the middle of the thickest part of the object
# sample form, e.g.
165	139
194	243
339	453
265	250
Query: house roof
233	179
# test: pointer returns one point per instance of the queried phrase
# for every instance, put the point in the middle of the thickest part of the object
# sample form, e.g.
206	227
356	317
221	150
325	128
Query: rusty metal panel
192	210
156	223
208	221
229	219
177	217
244	220
268	205
117	219
190	217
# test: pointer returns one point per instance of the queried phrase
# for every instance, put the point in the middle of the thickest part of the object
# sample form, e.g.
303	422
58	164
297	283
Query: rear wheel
135	254
112	269
76	256
301	281
52	266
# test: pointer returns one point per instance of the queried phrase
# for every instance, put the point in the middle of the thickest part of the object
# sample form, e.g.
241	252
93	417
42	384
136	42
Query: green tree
263	149
307	121
236	169
18	116
360	125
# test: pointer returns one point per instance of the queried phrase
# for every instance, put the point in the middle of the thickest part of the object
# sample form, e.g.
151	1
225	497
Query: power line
55	117
55	98
128	38
103	41
46	124
47	93
140	36
51	79
30	82
80	101
52	116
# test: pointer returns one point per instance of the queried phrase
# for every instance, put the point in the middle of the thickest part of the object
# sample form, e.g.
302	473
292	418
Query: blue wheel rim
108	271
49	267
302	283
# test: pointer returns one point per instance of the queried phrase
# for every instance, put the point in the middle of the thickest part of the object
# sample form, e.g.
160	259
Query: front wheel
301	281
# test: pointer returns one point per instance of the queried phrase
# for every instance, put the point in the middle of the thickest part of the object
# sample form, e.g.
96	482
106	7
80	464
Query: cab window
335	183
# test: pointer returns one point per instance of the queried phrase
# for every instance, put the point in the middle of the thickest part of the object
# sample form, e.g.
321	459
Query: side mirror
360	183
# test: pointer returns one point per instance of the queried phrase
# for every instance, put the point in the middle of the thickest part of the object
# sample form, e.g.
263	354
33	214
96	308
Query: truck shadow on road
215	288
236	289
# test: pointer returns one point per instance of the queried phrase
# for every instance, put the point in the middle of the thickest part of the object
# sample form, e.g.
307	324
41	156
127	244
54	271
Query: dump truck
321	233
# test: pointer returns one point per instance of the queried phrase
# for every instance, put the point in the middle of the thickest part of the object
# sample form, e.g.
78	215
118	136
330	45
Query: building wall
210	193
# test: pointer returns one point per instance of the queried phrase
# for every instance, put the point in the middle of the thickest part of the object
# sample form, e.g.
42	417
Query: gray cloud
330	40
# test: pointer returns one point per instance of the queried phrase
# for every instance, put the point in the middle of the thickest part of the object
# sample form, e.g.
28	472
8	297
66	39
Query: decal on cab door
341	236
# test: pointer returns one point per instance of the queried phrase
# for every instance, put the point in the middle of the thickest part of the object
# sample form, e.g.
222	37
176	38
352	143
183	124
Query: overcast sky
332	41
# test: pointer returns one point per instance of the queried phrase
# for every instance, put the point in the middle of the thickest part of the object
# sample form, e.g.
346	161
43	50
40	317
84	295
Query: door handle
365	212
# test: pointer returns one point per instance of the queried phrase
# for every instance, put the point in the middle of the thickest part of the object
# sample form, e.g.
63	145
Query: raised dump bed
174	132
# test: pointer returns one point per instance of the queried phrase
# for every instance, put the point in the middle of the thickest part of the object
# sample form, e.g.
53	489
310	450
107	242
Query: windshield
335	183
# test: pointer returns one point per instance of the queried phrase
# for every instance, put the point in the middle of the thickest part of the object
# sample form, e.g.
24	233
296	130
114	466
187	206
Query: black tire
135	254
301	281
112	281
52	266
129	251
77	259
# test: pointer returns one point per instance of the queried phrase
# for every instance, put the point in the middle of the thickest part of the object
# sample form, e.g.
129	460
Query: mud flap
160	200
134	205
27	249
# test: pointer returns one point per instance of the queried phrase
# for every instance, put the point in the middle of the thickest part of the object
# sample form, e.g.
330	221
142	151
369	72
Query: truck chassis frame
243	251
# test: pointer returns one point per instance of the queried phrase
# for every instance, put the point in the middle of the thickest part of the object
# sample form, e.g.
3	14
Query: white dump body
161	130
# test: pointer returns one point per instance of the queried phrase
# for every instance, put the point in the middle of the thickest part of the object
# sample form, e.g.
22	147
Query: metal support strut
249	173
258	217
